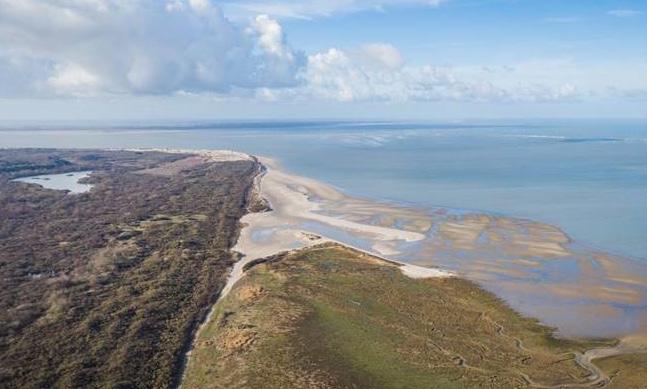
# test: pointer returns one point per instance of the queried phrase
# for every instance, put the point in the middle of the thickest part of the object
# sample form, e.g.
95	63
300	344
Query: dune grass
626	371
332	317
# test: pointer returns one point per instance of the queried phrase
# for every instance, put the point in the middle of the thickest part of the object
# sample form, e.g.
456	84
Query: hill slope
330	317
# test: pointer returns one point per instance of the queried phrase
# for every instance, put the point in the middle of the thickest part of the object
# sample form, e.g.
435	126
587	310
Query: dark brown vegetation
105	288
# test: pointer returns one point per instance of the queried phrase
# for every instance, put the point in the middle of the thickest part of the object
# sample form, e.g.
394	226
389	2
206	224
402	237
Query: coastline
284	227
502	254
289	238
305	213
239	333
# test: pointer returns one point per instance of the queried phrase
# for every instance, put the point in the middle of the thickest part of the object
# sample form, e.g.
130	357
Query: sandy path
598	378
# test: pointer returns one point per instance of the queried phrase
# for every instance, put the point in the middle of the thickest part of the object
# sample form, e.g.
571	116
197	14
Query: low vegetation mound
330	317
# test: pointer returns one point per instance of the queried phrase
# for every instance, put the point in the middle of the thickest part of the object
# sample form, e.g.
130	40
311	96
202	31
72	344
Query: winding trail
597	378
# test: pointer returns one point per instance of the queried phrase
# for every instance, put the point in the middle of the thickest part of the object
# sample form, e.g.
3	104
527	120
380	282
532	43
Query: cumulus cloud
377	73
140	47
383	54
52	48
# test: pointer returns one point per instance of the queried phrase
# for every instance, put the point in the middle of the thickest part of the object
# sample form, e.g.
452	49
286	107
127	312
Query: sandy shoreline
282	229
491	250
534	267
293	208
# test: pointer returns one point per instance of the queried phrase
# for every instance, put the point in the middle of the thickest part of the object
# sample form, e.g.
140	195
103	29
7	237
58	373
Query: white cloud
271	38
361	75
316	8
86	48
624	13
142	47
73	79
383	54
201	5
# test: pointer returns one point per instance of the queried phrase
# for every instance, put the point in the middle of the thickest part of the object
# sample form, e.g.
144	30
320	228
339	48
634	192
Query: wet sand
297	220
533	266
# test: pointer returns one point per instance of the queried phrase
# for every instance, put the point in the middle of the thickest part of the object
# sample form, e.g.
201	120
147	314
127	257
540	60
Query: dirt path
598	378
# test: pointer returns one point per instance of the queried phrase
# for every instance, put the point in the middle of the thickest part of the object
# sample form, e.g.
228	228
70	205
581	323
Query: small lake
66	181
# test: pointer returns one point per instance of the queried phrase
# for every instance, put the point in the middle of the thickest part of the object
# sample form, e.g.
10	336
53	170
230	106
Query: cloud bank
81	48
86	47
378	72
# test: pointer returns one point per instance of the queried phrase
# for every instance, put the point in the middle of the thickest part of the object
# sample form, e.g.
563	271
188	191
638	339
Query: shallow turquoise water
590	178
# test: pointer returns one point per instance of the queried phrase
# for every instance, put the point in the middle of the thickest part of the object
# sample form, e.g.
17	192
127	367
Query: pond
66	181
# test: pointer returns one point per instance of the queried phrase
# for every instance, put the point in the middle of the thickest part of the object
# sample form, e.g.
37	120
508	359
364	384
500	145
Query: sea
588	177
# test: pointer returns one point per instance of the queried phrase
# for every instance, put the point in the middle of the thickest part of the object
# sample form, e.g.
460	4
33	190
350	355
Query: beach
534	267
301	216
306	241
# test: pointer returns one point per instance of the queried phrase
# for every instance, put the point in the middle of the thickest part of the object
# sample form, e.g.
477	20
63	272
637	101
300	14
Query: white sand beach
298	201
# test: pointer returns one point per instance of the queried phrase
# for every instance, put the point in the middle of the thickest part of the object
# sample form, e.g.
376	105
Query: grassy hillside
626	371
104	289
330	317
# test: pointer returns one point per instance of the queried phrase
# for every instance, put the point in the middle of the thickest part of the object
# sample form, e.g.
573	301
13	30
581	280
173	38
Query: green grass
332	317
626	371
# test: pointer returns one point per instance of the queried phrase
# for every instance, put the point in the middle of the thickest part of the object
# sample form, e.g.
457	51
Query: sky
327	59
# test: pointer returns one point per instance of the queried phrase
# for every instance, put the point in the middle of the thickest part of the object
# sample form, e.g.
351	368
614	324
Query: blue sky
485	32
418	59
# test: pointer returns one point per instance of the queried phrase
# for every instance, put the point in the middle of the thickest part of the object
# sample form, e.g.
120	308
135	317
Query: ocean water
587	177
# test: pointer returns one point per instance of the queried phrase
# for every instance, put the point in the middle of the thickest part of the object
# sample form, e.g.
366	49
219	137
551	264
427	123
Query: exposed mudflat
535	267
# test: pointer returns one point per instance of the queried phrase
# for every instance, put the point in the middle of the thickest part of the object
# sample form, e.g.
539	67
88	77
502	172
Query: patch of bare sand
485	248
209	155
297	202
413	271
515	236
175	167
250	292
